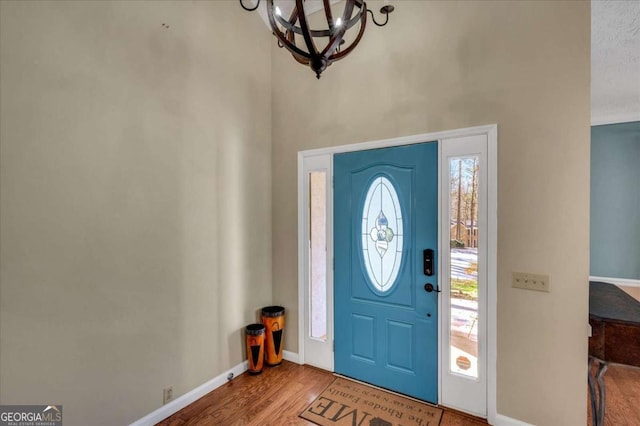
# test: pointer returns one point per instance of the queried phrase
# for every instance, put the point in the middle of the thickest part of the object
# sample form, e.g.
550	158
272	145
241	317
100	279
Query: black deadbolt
427	262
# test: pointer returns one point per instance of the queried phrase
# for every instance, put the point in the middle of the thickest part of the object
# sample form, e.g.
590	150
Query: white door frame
319	352
457	390
491	132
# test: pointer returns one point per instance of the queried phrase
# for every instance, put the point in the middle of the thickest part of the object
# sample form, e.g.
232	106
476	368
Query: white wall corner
291	356
190	397
508	421
625	282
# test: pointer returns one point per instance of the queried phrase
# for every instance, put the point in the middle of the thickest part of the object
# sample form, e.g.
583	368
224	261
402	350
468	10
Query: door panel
385	215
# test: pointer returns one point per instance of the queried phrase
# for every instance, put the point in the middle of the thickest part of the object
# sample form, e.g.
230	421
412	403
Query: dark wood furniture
615	324
614	317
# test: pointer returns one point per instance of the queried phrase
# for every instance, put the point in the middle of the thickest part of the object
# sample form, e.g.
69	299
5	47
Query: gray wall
133	157
615	200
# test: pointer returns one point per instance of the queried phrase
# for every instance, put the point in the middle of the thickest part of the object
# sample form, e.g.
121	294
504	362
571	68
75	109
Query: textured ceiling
615	56
615	61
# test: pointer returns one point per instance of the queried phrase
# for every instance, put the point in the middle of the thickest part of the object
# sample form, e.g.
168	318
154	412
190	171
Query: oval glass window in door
382	233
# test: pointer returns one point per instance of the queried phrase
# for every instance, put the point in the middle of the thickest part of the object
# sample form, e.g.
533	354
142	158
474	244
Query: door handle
429	288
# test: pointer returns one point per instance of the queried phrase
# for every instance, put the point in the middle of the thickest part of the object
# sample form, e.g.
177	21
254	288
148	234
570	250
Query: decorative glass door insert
382	232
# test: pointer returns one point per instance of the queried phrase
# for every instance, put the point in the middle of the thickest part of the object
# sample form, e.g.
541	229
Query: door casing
491	132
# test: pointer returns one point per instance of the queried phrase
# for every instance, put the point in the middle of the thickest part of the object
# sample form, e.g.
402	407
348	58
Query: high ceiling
615	56
615	61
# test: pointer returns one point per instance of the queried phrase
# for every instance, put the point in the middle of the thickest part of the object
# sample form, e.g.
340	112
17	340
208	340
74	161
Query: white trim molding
501	420
625	282
491	131
492	274
312	351
465	393
291	356
602	120
302	258
190	397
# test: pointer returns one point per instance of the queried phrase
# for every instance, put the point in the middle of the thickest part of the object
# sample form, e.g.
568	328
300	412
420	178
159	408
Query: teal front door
385	217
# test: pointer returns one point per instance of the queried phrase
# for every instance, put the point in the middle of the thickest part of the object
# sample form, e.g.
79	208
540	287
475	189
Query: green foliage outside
464	289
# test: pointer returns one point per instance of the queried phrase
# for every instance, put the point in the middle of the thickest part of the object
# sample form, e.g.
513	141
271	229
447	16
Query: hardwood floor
622	384
279	394
275	397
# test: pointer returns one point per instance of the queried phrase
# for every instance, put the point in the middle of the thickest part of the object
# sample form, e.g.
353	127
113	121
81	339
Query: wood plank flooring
622	384
279	394
275	397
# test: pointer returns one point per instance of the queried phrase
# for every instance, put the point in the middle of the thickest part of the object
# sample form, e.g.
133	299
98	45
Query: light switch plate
527	281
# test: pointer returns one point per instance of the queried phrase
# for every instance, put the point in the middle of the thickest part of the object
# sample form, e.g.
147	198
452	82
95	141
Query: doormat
345	402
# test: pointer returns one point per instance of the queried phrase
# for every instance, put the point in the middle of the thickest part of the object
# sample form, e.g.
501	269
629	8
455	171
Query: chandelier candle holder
304	47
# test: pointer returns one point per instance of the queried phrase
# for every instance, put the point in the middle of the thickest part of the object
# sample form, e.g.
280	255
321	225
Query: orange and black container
254	334
273	320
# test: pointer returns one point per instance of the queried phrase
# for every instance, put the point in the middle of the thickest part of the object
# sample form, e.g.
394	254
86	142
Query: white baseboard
617	281
508	421
291	356
189	397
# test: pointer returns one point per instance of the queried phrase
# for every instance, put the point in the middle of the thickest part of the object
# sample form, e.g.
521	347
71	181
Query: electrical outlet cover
167	394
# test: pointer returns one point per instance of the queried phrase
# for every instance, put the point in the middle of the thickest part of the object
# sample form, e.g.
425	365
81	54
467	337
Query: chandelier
297	37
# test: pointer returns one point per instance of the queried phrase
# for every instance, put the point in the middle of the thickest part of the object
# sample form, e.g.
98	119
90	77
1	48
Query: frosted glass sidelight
382	232
318	254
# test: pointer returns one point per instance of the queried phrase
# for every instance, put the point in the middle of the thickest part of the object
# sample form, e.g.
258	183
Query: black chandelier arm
327	12
304	25
291	27
363	24
293	18
291	47
289	35
373	18
336	38
248	9
300	60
